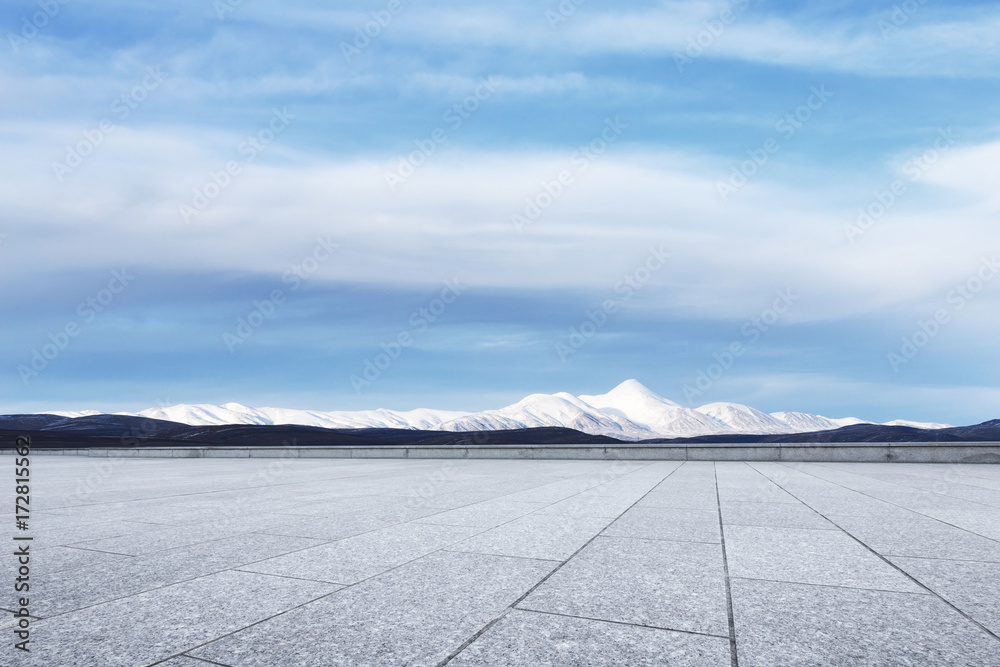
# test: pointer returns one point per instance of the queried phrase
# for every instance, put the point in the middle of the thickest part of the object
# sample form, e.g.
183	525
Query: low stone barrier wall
895	452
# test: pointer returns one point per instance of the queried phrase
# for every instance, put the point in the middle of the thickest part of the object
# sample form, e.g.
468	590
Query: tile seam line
236	568
373	576
866	495
373	530
232	568
546	506
485	553
555	502
952	560
72	545
849	588
914	476
288	576
468	642
486	530
597	486
756	484
907	575
917	479
731	618
653	539
241	629
825	465
318	480
347	586
881	500
191	657
153	554
439	549
200	493
528	610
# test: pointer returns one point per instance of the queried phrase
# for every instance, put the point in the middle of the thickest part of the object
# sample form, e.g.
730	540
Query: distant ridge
629	412
110	431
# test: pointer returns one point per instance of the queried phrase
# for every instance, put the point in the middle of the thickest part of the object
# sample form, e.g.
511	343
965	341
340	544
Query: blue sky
533	197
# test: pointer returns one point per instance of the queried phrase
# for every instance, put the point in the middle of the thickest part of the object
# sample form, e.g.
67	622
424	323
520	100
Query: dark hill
125	431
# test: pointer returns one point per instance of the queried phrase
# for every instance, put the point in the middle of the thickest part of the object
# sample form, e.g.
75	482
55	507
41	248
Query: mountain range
629	412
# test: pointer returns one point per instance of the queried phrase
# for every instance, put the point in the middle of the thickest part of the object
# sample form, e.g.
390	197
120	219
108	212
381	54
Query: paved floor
188	563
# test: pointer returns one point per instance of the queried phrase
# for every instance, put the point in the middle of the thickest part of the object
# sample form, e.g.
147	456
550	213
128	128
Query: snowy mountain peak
633	401
801	422
744	419
71	414
906	422
633	391
559	410
628	396
630	411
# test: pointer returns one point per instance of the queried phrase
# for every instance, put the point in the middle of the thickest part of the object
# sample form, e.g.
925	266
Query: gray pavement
273	562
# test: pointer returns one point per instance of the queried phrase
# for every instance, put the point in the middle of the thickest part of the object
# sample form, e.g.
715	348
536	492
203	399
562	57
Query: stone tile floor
274	562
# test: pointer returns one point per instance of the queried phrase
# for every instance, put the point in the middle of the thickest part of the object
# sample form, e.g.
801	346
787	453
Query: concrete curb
894	452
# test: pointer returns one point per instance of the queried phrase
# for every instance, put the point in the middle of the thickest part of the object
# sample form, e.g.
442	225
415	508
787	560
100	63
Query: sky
449	204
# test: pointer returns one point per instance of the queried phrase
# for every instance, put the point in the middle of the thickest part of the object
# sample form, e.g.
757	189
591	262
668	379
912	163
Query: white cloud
956	43
974	170
454	217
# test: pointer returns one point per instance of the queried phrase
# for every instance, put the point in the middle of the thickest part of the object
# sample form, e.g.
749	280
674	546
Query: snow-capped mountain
630	411
658	415
234	413
906	422
802	422
72	414
744	419
560	409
